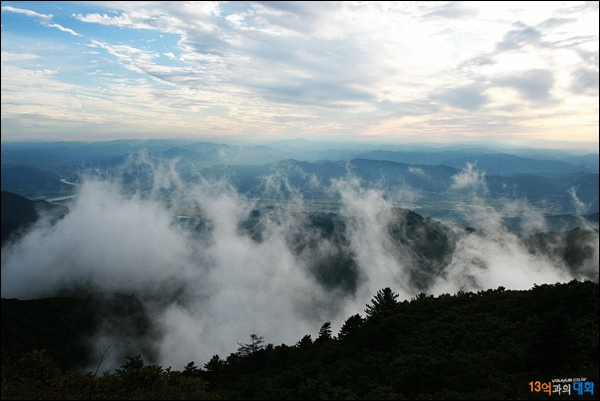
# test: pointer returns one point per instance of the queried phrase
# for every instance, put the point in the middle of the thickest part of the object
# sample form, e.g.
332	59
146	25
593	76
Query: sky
525	73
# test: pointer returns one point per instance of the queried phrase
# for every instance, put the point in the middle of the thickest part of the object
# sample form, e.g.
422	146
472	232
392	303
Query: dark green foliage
64	325
305	342
59	325
325	332
214	364
484	345
191	370
35	376
384	302
350	326
256	343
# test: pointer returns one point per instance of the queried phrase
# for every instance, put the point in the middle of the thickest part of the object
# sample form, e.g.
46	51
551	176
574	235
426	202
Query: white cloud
330	67
45	19
416	170
62	28
121	20
7	56
470	179
29	13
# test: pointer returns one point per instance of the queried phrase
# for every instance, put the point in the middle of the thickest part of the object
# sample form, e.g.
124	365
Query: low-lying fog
210	284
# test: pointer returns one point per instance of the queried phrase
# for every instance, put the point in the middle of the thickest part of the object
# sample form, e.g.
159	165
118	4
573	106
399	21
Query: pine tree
325	331
256	343
350	326
384	301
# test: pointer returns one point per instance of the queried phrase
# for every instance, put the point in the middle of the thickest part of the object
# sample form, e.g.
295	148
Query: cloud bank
208	282
441	71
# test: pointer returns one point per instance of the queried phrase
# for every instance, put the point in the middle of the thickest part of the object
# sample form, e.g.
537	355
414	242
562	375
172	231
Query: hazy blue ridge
31	182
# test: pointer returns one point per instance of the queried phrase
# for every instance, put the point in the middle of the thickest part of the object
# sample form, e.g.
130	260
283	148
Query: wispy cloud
517	38
585	81
469	97
44	19
7	56
333	68
533	85
452	10
29	13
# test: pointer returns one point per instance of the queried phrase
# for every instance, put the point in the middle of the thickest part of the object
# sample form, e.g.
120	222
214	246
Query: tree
305	342
419	297
191	370
256	343
383	302
325	331
214	365
350	326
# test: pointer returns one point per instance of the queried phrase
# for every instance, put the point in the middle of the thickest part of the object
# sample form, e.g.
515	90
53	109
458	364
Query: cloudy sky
428	71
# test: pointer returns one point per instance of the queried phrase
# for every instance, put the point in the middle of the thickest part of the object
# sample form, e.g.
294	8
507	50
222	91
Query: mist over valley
214	245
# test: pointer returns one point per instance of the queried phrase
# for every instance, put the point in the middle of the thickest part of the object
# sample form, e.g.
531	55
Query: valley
212	254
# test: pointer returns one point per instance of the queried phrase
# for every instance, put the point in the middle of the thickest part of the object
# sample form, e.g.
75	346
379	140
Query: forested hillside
485	345
19	213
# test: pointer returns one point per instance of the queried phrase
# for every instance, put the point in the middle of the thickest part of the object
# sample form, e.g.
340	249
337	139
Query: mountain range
427	179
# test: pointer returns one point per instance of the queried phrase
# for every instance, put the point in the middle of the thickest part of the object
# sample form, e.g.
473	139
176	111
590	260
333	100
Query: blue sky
519	72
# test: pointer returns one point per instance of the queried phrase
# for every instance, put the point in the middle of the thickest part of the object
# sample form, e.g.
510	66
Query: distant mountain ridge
298	168
503	164
313	181
50	156
31	182
19	213
491	163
